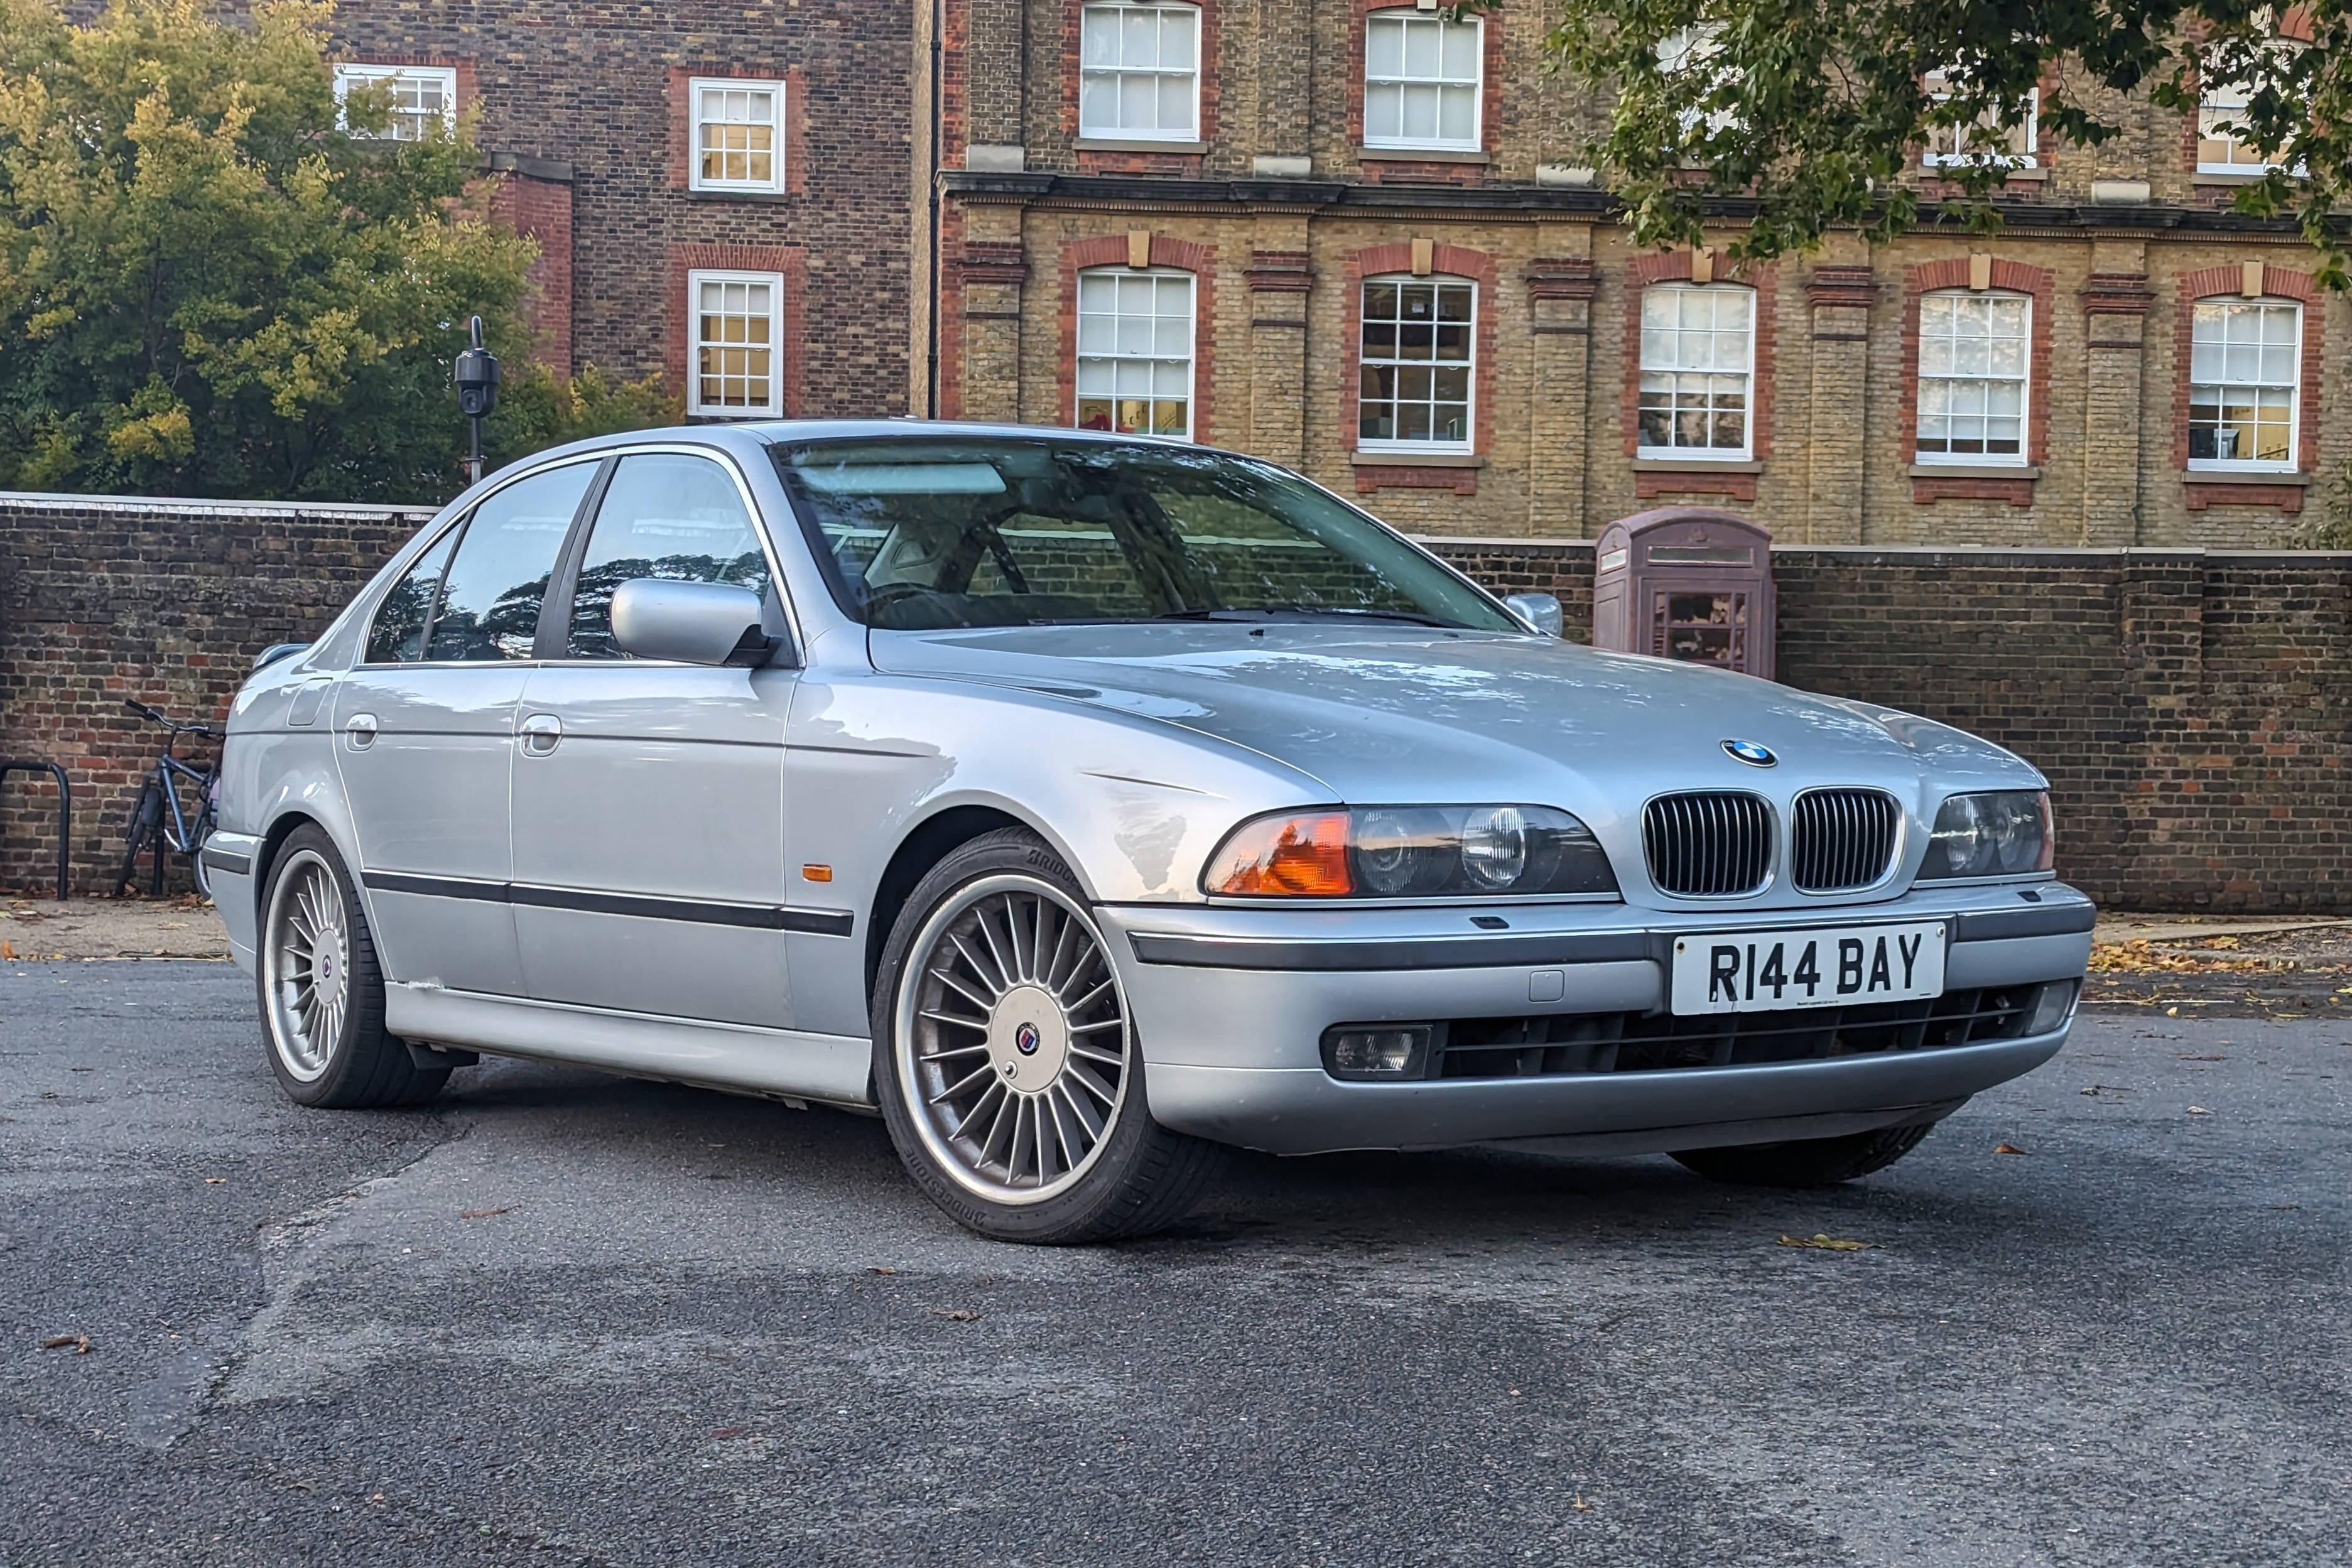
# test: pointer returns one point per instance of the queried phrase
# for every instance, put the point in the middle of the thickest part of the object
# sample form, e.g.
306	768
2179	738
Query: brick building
720	193
1351	237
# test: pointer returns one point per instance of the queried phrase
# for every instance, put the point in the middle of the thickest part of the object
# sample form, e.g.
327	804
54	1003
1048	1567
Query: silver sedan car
1086	805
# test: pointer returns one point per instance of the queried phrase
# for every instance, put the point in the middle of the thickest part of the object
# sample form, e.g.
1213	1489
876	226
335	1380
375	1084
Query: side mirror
691	623
1539	610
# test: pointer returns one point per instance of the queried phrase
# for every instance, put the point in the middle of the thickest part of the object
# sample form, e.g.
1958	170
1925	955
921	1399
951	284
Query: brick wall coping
46	501
1895	554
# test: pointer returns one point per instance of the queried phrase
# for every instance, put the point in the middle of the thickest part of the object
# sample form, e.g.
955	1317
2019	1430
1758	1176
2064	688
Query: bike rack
65	811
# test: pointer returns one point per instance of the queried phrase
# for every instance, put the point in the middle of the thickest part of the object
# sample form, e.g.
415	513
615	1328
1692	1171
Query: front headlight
2005	833
1408	852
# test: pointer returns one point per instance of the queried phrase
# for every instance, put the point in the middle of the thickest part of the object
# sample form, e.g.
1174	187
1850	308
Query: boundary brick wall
2193	710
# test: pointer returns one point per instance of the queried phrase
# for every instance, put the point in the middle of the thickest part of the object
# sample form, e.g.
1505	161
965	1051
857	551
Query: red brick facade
591	99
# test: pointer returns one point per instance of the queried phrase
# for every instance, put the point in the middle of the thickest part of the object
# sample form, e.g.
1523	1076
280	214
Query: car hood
1396	715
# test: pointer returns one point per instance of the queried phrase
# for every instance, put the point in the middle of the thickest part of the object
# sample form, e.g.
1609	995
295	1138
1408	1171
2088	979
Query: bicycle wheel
145	830
198	831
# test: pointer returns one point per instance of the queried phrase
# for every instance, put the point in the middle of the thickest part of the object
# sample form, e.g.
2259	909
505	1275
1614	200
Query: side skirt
786	1064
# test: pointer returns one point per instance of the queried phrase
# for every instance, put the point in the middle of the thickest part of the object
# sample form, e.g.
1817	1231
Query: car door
648	796
425	735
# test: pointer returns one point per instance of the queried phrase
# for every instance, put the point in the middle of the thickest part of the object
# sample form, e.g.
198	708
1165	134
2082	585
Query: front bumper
1230	1005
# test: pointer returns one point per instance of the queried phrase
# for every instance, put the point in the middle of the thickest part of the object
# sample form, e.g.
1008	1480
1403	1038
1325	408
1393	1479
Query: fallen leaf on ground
485	1213
728	1432
81	1343
956	1314
7	951
2199	1111
216	1181
880	1270
2010	1149
1829	1243
1581	1505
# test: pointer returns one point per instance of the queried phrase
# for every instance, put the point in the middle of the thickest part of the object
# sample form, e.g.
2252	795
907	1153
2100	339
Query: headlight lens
2005	833
1410	852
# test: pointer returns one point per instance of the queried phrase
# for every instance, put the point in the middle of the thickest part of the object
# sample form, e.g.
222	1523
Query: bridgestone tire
1135	1177
1813	1161
354	1064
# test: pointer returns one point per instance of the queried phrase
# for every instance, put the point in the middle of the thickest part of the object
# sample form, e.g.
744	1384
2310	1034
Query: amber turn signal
1302	856
816	872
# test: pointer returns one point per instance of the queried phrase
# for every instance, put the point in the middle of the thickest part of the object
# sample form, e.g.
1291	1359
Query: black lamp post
478	392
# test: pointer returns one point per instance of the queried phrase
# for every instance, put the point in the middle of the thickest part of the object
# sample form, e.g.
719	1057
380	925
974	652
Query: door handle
360	730
542	732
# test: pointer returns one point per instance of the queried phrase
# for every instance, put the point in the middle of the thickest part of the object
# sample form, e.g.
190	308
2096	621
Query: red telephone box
1686	583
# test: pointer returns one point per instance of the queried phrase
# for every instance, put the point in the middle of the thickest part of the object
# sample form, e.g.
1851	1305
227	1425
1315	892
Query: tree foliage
1804	116
209	285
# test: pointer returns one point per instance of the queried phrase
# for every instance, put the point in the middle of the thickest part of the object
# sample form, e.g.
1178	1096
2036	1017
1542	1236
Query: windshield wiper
1277	611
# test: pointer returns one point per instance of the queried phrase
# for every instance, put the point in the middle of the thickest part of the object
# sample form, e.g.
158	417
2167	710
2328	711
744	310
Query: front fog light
2051	1007
1363	1051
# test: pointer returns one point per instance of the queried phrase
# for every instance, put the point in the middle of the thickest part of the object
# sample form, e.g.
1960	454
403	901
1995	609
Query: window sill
1975	471
2294	477
1698	466
1136	144
728	193
1948	171
2239	176
1423	155
1440	458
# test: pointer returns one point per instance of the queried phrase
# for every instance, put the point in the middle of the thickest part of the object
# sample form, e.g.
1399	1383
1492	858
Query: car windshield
926	532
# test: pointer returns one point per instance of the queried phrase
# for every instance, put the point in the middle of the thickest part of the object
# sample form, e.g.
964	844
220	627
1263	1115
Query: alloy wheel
307	954
1012	1040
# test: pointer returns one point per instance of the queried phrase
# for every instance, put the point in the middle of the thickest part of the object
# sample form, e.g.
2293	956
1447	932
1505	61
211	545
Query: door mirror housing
691	624
1539	610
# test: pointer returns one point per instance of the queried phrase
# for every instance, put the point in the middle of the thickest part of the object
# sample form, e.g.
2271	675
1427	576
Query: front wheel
1808	1162
145	832
1006	1062
321	993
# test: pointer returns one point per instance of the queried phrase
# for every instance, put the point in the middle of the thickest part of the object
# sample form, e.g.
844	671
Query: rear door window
490	602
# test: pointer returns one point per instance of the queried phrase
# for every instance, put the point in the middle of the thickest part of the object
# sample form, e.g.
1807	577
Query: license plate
1766	971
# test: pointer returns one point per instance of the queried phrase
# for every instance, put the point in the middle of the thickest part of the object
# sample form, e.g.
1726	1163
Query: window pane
490	609
398	635
670	516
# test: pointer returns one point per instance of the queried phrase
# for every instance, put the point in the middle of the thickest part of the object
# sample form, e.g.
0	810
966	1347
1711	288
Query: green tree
1803	116
209	285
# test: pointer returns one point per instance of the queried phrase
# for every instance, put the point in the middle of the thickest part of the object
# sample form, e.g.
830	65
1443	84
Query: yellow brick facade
1277	201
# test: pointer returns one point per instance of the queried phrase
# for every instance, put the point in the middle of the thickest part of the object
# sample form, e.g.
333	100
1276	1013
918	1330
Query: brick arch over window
2278	283
1490	87
1099	162
2008	278
1447	261
1180	255
1674	267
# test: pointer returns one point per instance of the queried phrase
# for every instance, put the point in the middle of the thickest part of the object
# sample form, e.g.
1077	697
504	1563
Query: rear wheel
321	993
143	833
1811	1162
1006	1058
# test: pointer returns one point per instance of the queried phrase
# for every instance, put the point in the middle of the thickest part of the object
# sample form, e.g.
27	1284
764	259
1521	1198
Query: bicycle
159	821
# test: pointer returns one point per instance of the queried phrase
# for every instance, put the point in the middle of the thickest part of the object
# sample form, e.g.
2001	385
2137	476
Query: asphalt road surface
565	1317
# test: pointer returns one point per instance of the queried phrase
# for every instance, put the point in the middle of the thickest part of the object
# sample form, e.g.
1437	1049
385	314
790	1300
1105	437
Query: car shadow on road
1471	1199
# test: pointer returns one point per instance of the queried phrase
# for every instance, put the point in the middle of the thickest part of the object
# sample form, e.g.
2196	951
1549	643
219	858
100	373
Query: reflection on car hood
1397	713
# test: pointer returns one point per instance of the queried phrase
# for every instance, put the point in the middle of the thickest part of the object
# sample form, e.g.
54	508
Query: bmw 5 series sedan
1086	805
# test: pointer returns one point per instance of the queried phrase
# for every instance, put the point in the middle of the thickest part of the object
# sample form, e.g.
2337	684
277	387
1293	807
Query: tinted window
490	611
667	515
929	533
398	635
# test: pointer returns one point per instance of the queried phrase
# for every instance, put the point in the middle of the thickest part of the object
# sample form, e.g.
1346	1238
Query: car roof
769	432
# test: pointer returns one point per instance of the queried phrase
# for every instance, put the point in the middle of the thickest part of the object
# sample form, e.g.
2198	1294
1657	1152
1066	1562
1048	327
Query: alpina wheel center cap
1028	1040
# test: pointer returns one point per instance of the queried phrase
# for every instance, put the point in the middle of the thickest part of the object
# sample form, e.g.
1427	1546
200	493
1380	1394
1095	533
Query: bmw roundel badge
1024	1040
1751	753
